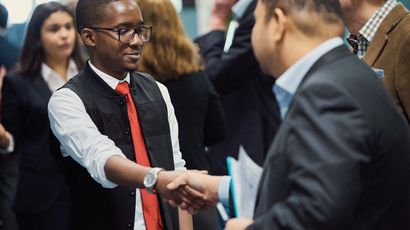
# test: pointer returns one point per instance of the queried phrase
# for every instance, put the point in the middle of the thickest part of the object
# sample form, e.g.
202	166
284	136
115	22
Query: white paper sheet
245	175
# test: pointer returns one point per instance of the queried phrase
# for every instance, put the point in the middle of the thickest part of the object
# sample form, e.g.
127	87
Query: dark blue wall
406	3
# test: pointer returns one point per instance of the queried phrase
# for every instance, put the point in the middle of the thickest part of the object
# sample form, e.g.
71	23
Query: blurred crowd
112	117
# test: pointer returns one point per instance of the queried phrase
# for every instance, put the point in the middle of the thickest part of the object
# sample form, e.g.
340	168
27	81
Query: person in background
49	57
70	5
250	107
380	34
8	162
116	128
8	175
173	59
9	52
340	159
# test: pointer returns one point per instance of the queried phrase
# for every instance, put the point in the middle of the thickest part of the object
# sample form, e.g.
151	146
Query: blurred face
262	42
111	55
58	36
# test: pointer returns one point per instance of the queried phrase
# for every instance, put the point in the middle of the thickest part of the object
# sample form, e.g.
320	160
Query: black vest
92	206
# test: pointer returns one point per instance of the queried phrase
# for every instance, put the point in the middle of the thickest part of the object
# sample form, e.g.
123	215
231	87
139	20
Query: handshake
194	191
191	190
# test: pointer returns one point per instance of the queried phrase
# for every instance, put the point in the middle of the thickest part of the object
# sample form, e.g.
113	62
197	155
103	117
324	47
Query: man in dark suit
246	93
382	31
340	159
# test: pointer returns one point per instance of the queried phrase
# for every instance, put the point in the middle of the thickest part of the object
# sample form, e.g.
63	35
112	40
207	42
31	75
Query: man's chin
131	68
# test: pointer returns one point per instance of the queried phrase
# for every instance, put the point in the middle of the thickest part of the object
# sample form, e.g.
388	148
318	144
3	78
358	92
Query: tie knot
123	88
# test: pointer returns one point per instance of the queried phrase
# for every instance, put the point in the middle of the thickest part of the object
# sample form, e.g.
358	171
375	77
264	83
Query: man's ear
88	37
281	23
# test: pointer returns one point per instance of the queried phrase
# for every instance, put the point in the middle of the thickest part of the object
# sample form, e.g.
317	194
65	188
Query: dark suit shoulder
212	37
353	85
15	77
17	81
193	83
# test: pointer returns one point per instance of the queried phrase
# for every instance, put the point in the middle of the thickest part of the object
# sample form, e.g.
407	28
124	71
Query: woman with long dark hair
49	57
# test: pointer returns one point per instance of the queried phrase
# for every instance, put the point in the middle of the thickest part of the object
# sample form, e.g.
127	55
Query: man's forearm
185	220
125	172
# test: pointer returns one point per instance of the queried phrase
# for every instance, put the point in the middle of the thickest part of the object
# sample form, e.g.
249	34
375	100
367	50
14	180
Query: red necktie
150	206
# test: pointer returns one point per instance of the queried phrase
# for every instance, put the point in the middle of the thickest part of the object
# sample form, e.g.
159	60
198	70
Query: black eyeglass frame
118	31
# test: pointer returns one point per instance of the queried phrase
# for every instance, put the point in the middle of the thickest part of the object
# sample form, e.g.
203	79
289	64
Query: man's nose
136	40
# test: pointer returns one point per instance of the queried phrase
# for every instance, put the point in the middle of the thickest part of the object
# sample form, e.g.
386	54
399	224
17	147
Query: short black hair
331	6
330	10
4	14
90	12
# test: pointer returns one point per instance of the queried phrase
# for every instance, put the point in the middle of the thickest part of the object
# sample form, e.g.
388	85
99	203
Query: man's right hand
164	178
199	191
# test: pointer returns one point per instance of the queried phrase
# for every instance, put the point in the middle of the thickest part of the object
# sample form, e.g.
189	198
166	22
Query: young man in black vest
114	141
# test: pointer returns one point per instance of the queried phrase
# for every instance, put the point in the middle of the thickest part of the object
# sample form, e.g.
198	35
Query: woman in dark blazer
49	57
172	58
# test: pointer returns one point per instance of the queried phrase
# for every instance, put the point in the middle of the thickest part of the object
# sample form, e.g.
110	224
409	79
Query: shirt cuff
223	190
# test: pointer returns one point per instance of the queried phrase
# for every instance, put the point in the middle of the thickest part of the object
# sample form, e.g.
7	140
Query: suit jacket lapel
382	35
41	87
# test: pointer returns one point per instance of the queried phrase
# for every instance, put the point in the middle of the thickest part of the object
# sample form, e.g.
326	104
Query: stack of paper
245	175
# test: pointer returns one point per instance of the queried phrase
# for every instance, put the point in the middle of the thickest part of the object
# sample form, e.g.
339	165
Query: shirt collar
48	72
110	80
287	84
240	7
368	31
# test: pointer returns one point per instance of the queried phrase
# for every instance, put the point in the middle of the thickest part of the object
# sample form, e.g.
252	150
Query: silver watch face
149	180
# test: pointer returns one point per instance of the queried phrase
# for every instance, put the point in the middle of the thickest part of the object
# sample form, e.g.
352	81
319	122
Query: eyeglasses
127	34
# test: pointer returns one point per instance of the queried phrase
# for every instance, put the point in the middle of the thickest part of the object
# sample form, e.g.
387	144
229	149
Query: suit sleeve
229	70
214	127
11	106
403	76
324	155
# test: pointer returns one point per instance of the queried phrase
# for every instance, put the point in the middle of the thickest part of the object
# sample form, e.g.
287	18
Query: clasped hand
191	190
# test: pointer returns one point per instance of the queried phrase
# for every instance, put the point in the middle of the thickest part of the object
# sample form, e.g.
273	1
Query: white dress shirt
81	140
54	81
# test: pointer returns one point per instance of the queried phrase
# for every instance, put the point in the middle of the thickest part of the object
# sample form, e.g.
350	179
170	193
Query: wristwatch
150	180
